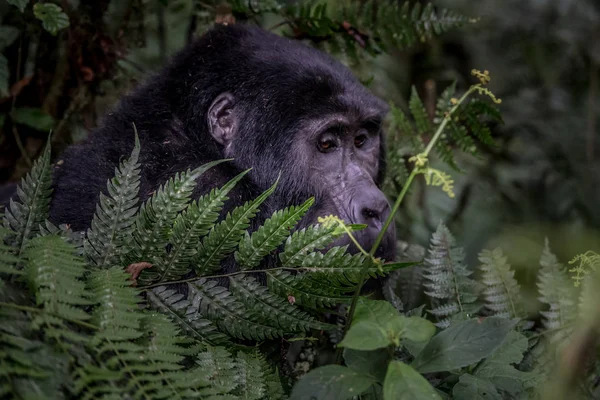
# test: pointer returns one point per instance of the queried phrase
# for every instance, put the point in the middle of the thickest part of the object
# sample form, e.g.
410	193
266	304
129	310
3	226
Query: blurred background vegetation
542	180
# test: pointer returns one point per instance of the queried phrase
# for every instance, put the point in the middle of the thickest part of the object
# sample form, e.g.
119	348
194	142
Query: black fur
279	84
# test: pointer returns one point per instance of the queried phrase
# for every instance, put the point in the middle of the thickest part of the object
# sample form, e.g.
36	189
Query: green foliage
502	293
403	382
447	279
468	126
372	26
331	382
555	291
224	237
377	324
253	248
113	222
462	344
52	16
24	217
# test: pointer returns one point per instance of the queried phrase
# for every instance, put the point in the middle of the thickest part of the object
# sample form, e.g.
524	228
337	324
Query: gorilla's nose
372	209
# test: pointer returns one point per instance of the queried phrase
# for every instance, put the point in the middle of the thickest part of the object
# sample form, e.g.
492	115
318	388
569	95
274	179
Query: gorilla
271	104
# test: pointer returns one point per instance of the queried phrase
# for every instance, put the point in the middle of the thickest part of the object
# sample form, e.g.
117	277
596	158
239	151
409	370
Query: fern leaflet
114	219
189	226
253	248
447	278
185	314
287	317
157	214
25	217
224	237
502	293
217	304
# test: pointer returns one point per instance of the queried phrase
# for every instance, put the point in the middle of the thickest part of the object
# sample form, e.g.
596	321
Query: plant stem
390	218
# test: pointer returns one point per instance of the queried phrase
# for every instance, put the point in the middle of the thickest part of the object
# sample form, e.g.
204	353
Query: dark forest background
64	71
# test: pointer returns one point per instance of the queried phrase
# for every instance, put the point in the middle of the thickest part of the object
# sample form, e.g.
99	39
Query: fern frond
584	264
446	276
185	315
217	366
400	122
24	217
502	293
116	298
250	377
224	237
372	25
419	113
286	316
9	263
253	248
114	218
29	368
156	215
143	349
302	290
556	291
55	274
301	242
233	317
189	226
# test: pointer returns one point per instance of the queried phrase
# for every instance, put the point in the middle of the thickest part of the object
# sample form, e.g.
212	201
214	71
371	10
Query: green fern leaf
502	293
25	217
114	218
218	367
250	377
224	237
193	223
286	316
9	263
111	289
557	292
301	242
157	214
253	248
447	278
55	274
419	113
185	315
300	289
233	317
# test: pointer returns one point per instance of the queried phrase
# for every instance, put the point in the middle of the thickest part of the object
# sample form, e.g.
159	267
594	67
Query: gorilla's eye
325	145
360	140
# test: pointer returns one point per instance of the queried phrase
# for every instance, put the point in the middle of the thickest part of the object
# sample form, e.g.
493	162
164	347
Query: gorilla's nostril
370	214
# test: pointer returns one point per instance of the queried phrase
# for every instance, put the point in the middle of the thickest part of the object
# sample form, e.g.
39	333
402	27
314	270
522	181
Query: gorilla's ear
221	119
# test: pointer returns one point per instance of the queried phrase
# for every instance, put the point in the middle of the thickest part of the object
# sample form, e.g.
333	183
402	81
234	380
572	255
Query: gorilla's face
335	155
306	116
342	158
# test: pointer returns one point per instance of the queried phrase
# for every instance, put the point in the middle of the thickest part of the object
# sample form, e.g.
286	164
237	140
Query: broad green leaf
20	4
378	324
8	34
470	387
402	382
372	363
497	368
331	382
366	336
462	344
4	76
34	118
52	16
